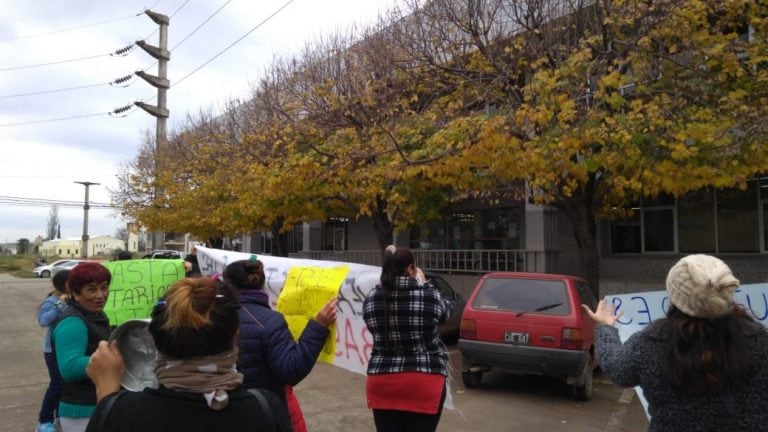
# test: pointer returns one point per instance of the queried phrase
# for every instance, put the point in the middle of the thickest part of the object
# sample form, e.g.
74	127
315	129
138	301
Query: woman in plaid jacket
408	367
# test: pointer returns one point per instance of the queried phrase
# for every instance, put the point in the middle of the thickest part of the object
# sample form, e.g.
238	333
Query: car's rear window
523	295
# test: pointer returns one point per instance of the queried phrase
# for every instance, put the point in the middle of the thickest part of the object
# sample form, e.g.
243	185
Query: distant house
9	248
98	246
69	247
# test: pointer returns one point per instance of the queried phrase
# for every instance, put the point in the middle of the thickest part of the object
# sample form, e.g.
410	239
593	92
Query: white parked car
66	266
45	271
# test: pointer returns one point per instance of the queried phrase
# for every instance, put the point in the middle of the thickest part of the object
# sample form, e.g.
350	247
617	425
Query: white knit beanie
701	286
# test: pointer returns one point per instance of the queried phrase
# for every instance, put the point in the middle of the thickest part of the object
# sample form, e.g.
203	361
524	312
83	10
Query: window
659	224
495	229
705	221
737	223
586	294
625	235
548	297
650	229
335	234
696	222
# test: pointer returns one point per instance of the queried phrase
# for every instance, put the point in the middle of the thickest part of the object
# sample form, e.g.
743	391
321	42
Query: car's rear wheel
585	391
45	274
471	379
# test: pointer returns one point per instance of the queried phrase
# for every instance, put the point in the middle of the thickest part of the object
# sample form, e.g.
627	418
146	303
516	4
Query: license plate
516	338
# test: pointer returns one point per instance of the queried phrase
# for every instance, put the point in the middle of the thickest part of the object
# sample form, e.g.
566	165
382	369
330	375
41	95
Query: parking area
333	399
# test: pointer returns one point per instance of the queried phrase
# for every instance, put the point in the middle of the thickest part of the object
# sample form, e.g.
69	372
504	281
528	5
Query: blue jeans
53	393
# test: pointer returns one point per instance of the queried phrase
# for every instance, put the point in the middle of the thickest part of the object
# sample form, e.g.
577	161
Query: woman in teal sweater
76	336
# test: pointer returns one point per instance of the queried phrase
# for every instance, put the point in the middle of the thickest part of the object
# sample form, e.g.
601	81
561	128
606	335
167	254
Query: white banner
353	340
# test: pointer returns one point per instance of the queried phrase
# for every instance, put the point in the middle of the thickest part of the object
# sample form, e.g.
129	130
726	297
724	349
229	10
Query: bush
18	265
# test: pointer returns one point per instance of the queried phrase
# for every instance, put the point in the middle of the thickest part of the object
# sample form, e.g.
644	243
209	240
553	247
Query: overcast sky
43	160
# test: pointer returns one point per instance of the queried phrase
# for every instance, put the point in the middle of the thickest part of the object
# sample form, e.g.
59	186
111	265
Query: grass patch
19	265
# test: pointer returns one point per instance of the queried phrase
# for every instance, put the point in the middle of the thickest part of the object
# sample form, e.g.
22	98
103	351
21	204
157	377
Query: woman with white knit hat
702	368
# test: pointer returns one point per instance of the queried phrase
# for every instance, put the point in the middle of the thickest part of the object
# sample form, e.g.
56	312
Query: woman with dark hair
76	335
702	368
194	330
408	367
269	357
48	313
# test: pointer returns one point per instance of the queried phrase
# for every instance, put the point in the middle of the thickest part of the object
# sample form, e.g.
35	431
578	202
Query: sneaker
46	427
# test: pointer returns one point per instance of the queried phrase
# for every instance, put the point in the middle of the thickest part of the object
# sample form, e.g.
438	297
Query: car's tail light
468	329
572	339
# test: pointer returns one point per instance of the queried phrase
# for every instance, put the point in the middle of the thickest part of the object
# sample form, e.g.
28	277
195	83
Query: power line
79	27
171	16
235	42
54	62
187	36
178	9
115	82
51	91
201	24
71	29
43	202
53	119
120	51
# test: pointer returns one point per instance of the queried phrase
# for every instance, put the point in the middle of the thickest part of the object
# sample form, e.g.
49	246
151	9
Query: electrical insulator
123	51
122	109
122	79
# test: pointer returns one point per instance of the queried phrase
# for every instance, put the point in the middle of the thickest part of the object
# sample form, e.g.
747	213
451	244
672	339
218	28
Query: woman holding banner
406	384
77	333
194	331
269	357
702	368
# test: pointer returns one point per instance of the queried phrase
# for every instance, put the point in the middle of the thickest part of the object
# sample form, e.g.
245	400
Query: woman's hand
604	314
419	275
327	315
105	369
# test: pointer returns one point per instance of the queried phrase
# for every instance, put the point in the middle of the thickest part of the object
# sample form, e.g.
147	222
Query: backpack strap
271	426
99	419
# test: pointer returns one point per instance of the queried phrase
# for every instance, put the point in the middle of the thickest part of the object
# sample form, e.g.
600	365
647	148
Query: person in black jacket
194	330
191	266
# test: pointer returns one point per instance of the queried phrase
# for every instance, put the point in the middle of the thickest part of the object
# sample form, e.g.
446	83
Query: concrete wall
637	273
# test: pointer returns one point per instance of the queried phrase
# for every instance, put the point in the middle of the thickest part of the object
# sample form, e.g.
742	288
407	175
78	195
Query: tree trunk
216	242
280	244
580	211
382	225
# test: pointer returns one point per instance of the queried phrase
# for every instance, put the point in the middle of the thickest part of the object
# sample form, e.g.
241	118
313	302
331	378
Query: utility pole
161	82
84	248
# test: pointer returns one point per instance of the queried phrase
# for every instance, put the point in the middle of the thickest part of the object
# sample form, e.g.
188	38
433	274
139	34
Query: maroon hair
85	273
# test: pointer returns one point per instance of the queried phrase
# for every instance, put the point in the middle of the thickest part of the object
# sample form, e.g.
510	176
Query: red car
529	323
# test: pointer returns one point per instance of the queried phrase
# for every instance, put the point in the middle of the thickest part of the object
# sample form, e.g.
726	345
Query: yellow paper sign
306	291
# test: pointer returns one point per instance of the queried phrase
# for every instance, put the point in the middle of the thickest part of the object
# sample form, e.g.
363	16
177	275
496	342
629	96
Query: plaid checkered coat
408	339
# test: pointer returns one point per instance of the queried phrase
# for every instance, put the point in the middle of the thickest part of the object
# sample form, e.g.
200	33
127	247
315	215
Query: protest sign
352	340
307	289
137	285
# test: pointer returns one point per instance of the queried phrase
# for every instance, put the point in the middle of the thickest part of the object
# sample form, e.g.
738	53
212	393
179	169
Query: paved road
333	399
